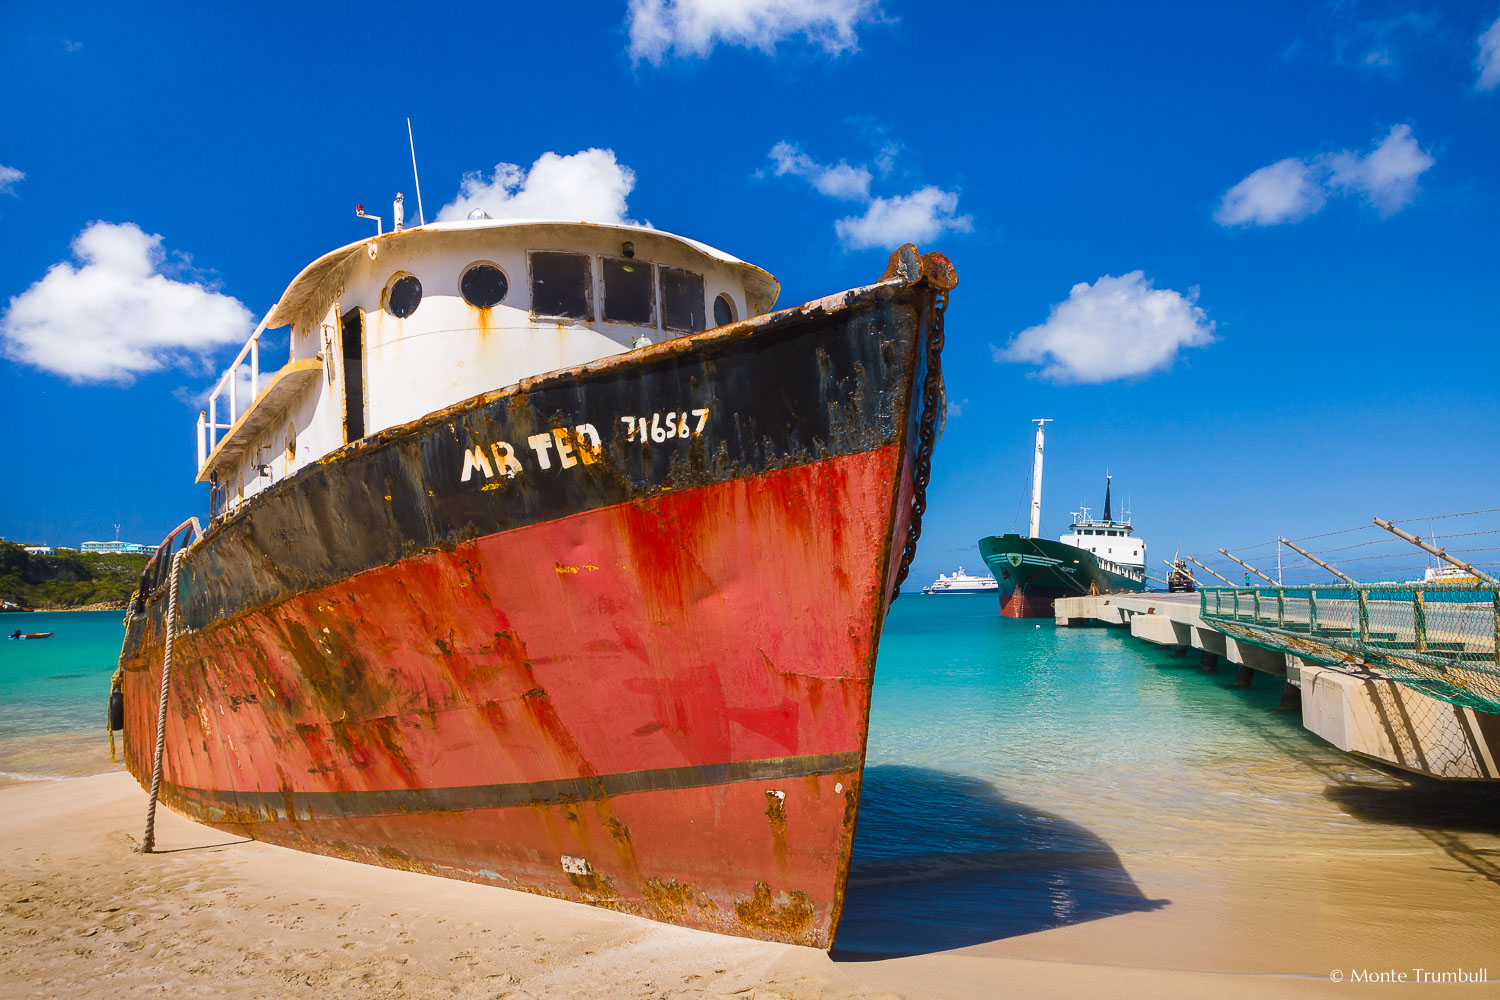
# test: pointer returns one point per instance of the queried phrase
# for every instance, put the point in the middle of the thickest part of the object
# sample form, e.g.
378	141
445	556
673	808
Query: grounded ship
517	570
962	583
1095	557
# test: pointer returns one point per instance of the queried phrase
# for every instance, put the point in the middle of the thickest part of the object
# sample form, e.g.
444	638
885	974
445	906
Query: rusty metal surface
636	675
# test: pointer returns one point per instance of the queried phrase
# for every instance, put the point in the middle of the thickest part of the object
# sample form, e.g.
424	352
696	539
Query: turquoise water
1018	773
57	685
54	693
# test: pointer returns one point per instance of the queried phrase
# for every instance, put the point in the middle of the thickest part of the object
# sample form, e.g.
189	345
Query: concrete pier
1353	707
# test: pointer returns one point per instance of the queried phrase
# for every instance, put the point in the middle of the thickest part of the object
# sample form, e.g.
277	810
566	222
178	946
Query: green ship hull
1034	572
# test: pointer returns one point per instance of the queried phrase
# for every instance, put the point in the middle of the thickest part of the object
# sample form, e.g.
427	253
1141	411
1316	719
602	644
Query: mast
1107	478
1036	480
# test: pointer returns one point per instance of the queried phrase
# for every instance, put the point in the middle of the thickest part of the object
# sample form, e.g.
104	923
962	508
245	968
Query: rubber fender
116	710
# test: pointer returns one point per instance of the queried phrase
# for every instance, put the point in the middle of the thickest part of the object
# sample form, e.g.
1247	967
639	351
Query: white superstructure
1113	543
398	326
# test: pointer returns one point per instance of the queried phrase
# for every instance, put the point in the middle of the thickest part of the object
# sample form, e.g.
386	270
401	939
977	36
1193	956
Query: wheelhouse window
560	285
403	296
483	285
681	299
629	292
723	310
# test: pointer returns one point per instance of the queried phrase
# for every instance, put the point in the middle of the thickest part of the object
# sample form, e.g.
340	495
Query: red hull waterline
657	705
1029	603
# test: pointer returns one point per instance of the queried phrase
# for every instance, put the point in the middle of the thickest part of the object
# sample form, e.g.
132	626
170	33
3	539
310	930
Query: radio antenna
421	217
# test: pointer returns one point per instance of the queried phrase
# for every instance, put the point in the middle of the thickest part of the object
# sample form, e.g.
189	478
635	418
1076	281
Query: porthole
483	285
723	310
403	296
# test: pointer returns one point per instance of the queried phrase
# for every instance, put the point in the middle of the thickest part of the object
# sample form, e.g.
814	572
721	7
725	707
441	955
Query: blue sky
1308	192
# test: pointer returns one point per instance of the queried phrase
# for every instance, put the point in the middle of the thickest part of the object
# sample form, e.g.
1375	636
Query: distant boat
18	634
1180	580
962	583
1448	574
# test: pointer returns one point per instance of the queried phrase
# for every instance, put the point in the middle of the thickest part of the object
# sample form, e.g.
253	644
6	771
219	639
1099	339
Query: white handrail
208	430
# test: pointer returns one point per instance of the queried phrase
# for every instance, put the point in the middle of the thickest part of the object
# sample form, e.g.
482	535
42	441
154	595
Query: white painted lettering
505	459
564	447
588	443
540	443
475	458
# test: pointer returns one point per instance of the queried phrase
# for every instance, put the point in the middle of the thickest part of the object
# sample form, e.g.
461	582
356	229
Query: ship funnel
398	215
1107	478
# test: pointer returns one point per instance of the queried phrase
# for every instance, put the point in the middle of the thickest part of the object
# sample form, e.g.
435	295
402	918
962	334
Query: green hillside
67	579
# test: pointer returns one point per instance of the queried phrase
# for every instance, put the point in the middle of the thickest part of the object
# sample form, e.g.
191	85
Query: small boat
962	583
18	634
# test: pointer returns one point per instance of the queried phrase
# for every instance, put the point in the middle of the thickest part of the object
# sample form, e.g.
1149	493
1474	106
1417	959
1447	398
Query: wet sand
82	915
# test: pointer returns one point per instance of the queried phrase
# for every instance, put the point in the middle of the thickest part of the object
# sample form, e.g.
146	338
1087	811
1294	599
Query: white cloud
912	218
1292	189
694	27
1388	175
117	315
8	178
837	181
956	407
1489	57
588	186
1115	328
1285	191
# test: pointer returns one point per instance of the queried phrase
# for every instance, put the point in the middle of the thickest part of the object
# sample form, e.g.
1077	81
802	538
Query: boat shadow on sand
944	861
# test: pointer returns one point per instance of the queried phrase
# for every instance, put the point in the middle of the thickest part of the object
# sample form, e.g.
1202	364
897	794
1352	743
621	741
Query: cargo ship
517	573
1095	557
962	583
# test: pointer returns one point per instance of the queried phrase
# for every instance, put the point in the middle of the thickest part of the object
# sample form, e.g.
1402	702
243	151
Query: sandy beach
83	915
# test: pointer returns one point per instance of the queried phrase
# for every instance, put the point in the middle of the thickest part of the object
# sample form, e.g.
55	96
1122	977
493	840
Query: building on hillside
38	550
116	548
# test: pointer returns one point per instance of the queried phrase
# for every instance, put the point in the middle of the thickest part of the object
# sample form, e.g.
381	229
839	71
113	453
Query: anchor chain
932	394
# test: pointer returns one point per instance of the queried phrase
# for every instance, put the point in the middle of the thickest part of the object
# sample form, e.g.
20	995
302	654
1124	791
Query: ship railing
159	566
209	424
1440	637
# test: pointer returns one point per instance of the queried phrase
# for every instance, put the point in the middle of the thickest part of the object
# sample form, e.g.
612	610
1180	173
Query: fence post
1236	604
1364	616
1312	610
1255	602
1419	617
1280	608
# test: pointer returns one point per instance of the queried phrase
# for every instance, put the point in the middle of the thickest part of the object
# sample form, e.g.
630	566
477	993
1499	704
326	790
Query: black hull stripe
257	807
797	387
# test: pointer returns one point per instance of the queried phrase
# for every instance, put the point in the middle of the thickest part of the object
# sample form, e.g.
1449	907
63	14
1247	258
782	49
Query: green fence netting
1440	638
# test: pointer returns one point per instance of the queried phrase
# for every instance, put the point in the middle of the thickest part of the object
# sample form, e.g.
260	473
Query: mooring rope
149	841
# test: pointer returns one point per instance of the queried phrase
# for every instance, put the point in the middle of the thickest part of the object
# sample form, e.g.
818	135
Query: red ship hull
657	704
